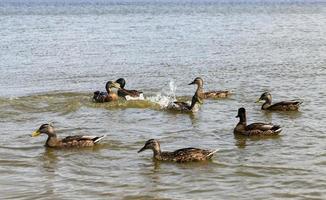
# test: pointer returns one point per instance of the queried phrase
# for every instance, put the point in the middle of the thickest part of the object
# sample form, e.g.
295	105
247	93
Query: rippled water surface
53	55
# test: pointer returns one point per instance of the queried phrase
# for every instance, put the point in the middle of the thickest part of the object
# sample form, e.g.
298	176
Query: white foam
165	97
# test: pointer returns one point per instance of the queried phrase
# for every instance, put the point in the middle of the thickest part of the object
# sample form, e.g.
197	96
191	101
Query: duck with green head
254	129
107	96
196	100
69	142
180	155
280	106
128	94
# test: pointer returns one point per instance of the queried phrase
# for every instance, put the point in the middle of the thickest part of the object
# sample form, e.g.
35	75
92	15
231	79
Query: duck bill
192	83
116	85
142	149
237	116
36	133
258	101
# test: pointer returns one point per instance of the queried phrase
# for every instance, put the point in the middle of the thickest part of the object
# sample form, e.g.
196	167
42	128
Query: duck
128	94
68	142
107	96
280	106
180	155
254	129
210	94
196	101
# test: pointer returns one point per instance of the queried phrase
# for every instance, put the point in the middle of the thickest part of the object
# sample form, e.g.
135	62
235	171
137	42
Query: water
55	54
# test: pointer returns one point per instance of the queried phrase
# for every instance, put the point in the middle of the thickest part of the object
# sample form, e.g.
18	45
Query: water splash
165	97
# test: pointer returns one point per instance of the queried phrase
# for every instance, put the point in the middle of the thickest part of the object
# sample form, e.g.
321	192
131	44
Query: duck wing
262	129
216	94
80	141
132	93
285	105
178	105
192	154
259	126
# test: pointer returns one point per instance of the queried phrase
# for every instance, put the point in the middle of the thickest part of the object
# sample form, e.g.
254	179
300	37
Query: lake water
53	55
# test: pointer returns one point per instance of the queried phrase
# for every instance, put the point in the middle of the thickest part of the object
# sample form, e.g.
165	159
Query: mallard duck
68	142
281	106
128	94
195	102
210	94
180	155
254	129
107	96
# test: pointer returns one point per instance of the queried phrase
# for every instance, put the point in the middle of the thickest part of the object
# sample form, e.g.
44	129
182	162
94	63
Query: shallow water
54	55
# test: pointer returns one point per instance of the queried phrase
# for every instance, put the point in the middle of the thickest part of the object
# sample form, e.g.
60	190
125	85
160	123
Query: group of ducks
181	155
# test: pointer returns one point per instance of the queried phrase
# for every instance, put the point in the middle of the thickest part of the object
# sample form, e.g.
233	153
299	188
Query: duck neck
157	152
195	99
52	140
199	89
267	103
243	119
194	103
108	90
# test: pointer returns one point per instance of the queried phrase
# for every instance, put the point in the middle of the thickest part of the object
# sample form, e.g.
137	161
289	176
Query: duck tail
98	139
276	128
212	152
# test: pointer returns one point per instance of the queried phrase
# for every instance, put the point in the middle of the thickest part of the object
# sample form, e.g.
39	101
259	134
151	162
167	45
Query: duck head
241	114
151	144
45	129
198	81
121	82
266	96
111	84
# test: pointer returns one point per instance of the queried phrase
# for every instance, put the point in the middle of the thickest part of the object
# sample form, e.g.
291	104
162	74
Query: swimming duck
281	106
210	94
180	155
195	102
68	142
128	94
107	96
254	129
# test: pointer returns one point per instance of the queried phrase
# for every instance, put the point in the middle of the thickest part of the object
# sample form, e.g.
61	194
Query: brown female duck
128	94
281	106
107	96
68	142
181	155
254	129
211	94
195	102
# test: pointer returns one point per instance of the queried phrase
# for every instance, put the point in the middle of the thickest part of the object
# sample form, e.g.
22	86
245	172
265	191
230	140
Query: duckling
68	142
195	102
128	94
210	94
180	155
101	97
281	106
254	129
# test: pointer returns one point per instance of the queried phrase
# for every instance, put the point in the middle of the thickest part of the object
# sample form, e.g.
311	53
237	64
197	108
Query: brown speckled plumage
215	94
210	94
68	142
254	129
181	155
280	106
107	96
